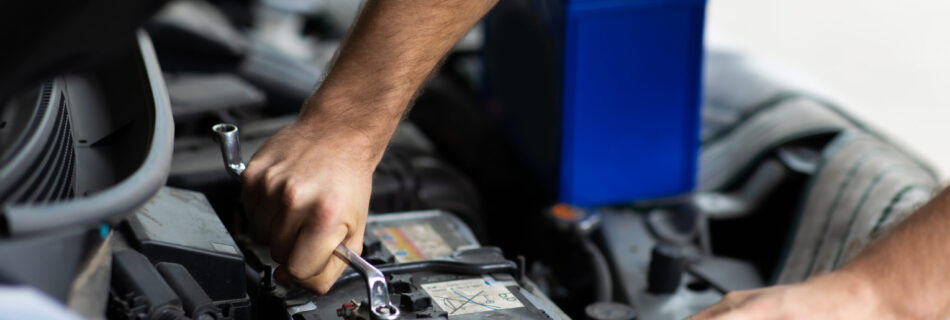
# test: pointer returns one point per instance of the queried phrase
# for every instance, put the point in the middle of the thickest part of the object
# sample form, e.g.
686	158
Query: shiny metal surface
377	290
226	135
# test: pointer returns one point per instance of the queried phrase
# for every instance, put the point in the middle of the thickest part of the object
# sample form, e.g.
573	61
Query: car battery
435	268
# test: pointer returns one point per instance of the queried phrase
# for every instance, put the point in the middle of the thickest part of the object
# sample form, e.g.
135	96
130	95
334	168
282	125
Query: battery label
471	295
415	242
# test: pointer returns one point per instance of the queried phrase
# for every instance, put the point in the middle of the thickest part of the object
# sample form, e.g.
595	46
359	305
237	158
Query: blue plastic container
625	110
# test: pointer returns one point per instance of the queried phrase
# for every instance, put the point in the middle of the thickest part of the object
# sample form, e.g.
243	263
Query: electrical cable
603	285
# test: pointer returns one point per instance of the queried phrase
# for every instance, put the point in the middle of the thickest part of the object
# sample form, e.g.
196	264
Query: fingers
297	209
274	219
711	312
314	245
304	203
322	282
284	229
737	315
311	262
729	307
302	226
258	210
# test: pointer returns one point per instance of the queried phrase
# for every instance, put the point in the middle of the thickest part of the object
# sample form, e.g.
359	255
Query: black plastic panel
123	131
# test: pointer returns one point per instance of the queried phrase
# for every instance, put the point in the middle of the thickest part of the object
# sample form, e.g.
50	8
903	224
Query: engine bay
460	225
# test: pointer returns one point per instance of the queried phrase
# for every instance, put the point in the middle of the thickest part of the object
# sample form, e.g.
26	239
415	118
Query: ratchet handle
377	290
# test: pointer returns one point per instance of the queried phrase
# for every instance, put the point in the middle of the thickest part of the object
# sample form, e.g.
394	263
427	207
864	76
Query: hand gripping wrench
377	290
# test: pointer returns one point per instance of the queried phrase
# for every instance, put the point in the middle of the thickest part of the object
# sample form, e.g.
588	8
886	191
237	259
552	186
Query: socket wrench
377	289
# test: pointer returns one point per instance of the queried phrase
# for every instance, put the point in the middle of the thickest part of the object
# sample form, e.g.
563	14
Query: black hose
603	284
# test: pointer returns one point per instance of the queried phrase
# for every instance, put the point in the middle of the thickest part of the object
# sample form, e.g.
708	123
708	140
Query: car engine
117	204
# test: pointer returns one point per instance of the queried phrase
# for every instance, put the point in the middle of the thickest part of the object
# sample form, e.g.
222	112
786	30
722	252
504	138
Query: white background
887	61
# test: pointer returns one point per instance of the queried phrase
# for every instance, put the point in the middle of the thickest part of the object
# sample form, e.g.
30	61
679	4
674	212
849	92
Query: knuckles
293	194
325	211
271	178
250	174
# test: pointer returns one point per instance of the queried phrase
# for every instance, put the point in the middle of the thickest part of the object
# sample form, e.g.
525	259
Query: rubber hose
603	284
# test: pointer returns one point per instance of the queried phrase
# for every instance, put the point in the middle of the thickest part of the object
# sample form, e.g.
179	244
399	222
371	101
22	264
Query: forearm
908	270
384	59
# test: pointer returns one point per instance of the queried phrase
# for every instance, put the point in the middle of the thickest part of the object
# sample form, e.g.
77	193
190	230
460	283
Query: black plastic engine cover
179	226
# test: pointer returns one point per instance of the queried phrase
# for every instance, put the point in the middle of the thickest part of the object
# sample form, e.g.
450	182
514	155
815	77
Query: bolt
384	310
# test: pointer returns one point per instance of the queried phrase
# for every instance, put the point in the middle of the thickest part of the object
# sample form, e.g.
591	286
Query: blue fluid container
618	121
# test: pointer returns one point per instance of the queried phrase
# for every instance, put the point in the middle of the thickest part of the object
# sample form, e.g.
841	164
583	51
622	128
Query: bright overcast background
889	60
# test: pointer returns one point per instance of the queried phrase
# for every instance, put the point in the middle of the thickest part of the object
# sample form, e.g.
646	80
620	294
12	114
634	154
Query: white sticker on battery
415	242
471	295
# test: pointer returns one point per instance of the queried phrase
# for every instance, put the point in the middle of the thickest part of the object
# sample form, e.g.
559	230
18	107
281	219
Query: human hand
306	191
832	296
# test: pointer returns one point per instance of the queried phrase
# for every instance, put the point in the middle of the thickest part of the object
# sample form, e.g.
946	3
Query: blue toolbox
601	97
